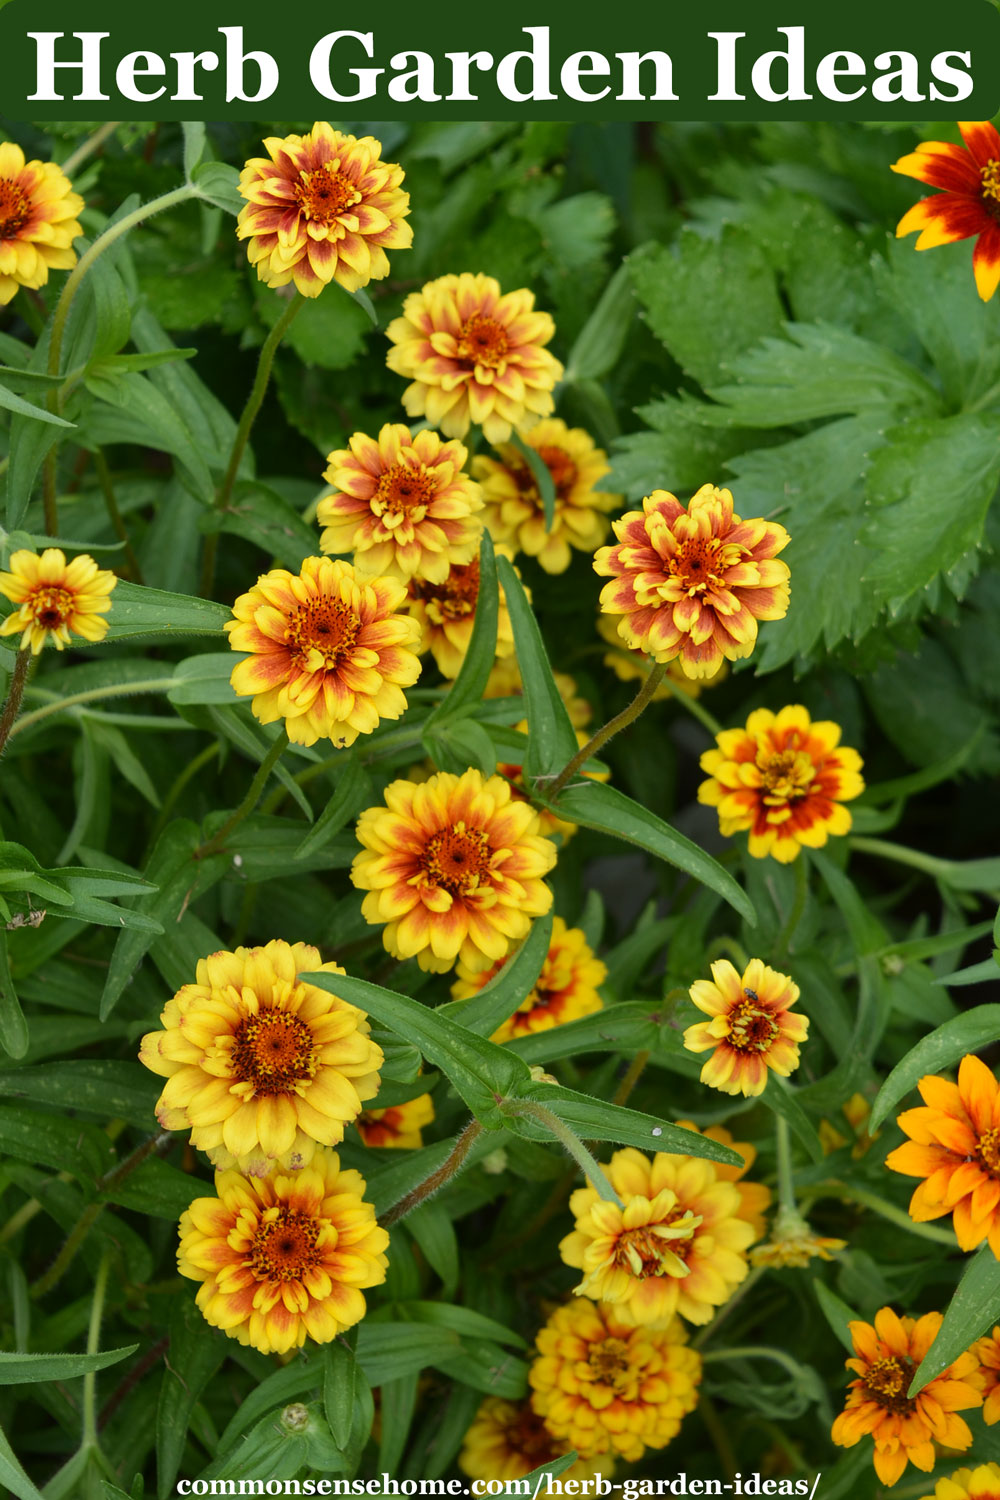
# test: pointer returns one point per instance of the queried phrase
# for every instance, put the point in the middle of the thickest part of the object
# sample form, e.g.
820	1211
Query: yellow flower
327	651
507	1439
856	1112
55	597
602	1386
755	1198
401	504
692	584
474	354
38	221
987	1351
752	1028
446	612
398	1125
677	1245
322	207
284	1257
793	1243
261	1066
904	1429
515	513
631	665
454	867
565	990
783	778
982	1483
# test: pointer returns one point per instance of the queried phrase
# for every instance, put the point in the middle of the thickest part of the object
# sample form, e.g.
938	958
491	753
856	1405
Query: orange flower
954	1146
982	1483
322	207
55	598
987	1351
38	221
507	1440
970	202
402	505
284	1257
755	1198
446	613
783	778
751	1030
399	1125
474	354
327	652
691	584
454	869
565	990
905	1429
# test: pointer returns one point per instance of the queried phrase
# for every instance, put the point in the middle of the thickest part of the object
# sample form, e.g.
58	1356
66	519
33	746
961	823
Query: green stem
254	400
246	807
572	1143
747	1285
12	707
636	1069
190	770
448	1169
111	504
621	721
698	711
93	1345
786	1180
122	690
783	943
736	951
898	852
88	147
755	1351
848	1194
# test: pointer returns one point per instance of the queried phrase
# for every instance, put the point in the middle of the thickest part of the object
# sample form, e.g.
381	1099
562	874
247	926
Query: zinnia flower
507	1439
676	1246
328	652
755	1198
55	597
402	505
398	1125
602	1386
474	354
969	1484
987	1351
905	1429
565	990
970	202
38	221
454	869
793	1243
505	682
322	207
630	665
783	778
284	1257
260	1065
752	1028
515	513
954	1146
446	613
692	584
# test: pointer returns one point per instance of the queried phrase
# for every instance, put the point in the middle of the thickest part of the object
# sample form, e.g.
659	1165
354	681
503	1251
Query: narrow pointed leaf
551	736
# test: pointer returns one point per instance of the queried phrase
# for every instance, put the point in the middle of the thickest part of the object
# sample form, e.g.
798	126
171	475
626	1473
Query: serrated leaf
551	736
972	1311
932	1054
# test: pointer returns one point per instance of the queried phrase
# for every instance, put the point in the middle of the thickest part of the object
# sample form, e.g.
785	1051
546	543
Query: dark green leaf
594	1120
836	1313
340	1372
351	794
551	736
972	1311
196	1352
542	475
485	1011
22	1369
467	690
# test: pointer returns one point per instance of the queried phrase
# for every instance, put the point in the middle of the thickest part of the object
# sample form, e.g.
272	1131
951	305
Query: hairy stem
636	1069
448	1169
18	678
88	147
614	726
246	807
73	700
93	1345
573	1145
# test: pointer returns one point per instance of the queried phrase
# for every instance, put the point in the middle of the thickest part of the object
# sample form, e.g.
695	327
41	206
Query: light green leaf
628	1027
139	613
600	341
340	1374
551	736
23	1369
779	1097
12	1475
932	1054
972	1311
218	183
22	408
836	1313
593	1119
482	1013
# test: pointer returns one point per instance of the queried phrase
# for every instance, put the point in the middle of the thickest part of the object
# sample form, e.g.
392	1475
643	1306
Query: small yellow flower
856	1112
515	513
446	614
284	1257
507	1439
38	221
752	1029
969	1484
398	1125
604	1387
566	989
987	1351
793	1243
55	598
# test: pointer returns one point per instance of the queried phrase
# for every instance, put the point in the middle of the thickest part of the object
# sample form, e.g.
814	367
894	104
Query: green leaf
218	183
551	736
340	1373
134	410
13	1026
262	516
351	794
196	1352
594	1120
460	743
44	1140
467	690
464	1321
24	1369
195	140
599	343
386	1351
932	1054
604	808
255	740
979	973
780	1097
542	475
139	613
836	1313
972	1311
13	403
12	1475
205	679
485	1011
431	1227
628	1027
99	1086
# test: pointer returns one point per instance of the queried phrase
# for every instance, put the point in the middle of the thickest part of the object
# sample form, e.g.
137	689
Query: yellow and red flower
328	652
285	1257
604	1387
630	665
474	354
904	1428
566	989
322	207
755	1198
550	823
454	868
982	1483
398	1125
690	585
55	597
954	1147
446	613
401	504
969	203
784	779
508	1439
676	1245
752	1028
515	513
38	221
987	1351
261	1066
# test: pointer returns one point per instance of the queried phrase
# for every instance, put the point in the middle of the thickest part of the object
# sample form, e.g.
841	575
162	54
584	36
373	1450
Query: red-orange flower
752	1027
969	203
954	1146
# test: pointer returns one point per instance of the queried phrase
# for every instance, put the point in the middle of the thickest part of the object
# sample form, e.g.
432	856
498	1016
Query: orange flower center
51	607
285	1246
273	1051
700	562
324	193
483	341
990	179
609	1359
455	599
751	1029
324	625
401	491
14	209
988	1151
887	1382
458	858
378	1127
785	774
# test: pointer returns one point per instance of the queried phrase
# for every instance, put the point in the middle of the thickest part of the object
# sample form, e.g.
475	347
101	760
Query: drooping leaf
551	737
